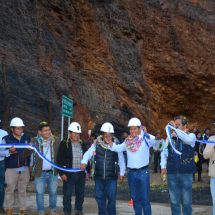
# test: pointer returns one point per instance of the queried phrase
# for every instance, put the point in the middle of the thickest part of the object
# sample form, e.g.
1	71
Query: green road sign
67	106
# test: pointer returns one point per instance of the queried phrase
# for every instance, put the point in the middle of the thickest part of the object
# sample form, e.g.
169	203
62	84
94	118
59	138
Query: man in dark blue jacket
17	167
179	168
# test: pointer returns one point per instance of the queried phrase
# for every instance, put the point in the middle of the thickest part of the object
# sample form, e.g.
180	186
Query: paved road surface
90	207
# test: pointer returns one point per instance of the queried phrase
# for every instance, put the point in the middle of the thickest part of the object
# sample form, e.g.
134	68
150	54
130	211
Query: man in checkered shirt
69	156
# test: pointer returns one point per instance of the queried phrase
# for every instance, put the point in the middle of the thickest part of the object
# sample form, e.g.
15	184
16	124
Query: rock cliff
116	58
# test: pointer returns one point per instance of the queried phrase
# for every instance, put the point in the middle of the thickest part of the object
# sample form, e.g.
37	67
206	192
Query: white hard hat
107	128
75	127
16	122
134	122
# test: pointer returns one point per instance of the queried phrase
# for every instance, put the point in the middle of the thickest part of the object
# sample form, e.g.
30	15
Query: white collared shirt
137	159
47	149
158	145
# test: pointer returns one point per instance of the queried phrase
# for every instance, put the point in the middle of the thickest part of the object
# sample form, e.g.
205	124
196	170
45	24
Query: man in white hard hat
17	168
106	170
69	156
3	154
137	146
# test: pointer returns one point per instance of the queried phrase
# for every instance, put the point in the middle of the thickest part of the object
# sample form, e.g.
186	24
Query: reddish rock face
117	59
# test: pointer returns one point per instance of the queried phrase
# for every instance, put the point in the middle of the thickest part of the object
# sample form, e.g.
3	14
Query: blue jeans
2	182
40	185
139	186
180	192
74	180
213	193
105	190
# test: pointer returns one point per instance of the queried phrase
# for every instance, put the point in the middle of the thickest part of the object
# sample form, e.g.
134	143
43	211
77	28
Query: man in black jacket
106	170
69	156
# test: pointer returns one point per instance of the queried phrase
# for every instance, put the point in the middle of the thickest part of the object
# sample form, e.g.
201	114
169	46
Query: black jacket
106	163
65	155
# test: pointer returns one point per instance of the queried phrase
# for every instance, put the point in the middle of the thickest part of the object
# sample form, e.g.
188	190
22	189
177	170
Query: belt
49	170
138	169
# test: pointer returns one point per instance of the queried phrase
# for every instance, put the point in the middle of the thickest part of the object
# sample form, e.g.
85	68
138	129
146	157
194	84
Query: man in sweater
179	168
106	170
209	153
42	171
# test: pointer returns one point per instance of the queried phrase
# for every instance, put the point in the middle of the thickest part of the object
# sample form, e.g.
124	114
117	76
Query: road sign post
67	111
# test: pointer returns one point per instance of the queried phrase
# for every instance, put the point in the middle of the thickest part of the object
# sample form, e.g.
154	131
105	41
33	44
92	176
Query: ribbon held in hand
27	146
169	136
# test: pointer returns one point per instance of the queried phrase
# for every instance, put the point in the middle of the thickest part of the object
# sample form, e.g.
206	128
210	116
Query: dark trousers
75	180
2	182
105	195
199	164
156	160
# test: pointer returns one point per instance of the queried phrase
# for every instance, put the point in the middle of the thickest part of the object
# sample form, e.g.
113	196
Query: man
137	146
69	156
209	153
42	171
179	168
106	170
157	148
3	154
199	153
124	136
17	168
206	134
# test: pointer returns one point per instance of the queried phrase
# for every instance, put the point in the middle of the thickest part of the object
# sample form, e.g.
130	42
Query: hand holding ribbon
32	147
169	136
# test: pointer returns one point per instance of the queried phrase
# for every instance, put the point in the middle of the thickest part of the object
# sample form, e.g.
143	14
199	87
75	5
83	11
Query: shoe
79	213
67	213
2	211
9	211
22	212
130	202
41	213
